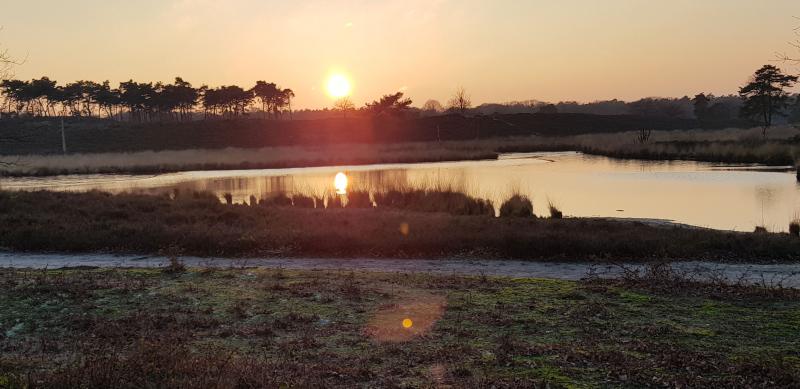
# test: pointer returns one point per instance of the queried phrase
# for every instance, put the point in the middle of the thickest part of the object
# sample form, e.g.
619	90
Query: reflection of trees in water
379	180
765	196
321	186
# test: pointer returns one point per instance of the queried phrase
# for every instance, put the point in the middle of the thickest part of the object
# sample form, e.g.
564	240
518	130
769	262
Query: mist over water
700	194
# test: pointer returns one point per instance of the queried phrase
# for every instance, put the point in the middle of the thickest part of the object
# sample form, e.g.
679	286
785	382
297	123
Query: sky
498	50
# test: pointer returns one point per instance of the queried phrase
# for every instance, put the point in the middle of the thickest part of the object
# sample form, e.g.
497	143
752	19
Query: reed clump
517	206
447	201
794	228
555	212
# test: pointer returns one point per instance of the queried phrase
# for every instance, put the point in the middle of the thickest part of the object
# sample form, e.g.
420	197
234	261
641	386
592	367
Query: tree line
139	101
764	98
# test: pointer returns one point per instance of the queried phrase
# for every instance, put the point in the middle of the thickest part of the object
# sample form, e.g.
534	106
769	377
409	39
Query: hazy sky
499	50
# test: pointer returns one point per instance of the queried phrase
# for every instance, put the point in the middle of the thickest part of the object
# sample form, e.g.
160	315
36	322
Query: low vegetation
517	206
199	224
209	328
780	147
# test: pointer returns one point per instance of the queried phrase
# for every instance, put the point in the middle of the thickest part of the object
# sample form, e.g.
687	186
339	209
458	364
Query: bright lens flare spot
340	183
407	323
338	86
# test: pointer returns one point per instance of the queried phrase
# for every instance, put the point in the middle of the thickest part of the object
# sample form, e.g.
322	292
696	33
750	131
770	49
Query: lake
700	194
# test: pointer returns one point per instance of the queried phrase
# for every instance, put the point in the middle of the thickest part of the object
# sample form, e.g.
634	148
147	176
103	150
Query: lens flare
340	183
407	323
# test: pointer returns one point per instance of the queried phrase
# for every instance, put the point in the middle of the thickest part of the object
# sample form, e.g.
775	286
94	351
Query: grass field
210	328
431	226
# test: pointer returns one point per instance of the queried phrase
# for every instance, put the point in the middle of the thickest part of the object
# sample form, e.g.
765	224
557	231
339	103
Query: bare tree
460	101
344	105
432	107
795	59
6	65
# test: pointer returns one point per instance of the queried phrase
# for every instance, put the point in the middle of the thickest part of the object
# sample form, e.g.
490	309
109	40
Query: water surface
700	194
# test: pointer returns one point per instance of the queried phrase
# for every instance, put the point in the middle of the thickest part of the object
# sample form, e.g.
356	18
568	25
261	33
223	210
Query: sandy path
787	274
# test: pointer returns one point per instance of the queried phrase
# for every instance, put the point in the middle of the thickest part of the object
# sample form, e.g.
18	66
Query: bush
794	228
517	206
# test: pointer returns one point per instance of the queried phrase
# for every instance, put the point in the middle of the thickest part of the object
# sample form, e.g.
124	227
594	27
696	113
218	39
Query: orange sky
499	50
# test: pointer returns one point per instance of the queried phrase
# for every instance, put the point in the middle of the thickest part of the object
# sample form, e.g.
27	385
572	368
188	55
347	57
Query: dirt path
786	274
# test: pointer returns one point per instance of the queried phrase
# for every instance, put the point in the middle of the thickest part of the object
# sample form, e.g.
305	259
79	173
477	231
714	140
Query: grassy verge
782	147
197	224
276	328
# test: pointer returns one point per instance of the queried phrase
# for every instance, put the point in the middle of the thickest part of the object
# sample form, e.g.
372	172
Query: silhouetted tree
661	107
283	99
227	100
267	94
344	105
272	98
138	98
107	99
432	107
16	95
765	96
179	96
548	109
389	105
460	101
701	103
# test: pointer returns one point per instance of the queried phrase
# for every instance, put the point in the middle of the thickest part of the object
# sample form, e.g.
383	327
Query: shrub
228	198
517	206
794	228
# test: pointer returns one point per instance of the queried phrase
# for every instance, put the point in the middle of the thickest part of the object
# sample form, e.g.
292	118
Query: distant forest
180	101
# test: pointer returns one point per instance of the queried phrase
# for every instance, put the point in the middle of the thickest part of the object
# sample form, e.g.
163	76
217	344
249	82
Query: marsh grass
517	206
555	212
202	225
780	147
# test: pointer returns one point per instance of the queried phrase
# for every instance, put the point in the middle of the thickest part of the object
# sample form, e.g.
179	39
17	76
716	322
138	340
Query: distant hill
43	136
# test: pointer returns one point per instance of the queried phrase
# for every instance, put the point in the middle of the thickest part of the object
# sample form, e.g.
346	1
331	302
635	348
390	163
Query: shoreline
748	273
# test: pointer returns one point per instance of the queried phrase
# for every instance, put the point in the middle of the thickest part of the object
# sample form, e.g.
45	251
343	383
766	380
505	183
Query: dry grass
731	145
517	206
241	158
781	147
200	225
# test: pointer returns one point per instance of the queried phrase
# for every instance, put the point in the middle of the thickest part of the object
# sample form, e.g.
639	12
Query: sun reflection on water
340	183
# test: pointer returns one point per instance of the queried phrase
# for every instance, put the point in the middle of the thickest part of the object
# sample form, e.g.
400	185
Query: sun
338	86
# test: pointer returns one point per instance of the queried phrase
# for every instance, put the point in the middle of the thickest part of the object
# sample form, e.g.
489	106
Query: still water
700	194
